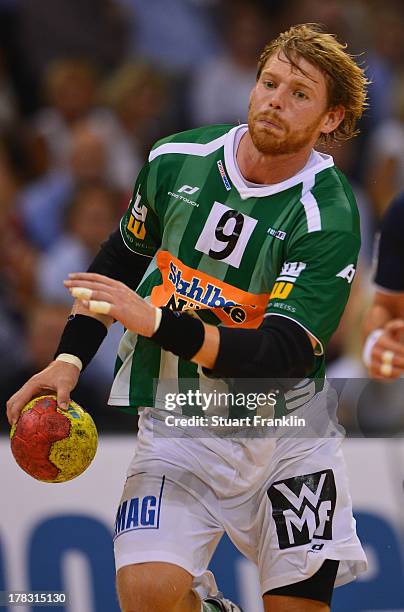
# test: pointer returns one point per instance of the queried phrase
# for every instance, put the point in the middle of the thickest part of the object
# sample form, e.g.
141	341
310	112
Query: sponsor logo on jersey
136	223
303	508
184	288
285	281
183	198
223	175
139	513
188	189
276	233
348	273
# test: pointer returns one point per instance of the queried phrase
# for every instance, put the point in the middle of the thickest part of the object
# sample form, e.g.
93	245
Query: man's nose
277	99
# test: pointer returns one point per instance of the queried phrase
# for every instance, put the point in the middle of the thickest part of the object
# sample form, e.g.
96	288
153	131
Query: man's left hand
103	295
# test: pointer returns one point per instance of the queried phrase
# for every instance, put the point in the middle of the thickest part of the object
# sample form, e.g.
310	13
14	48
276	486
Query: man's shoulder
199	141
336	201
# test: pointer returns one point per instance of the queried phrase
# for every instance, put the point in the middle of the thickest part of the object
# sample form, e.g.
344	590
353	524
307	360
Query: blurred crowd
87	86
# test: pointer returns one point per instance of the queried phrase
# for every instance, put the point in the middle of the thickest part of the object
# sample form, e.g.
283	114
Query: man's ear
333	117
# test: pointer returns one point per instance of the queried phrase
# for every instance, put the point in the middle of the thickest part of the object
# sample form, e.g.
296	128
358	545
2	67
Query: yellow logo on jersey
291	270
137	228
136	224
281	290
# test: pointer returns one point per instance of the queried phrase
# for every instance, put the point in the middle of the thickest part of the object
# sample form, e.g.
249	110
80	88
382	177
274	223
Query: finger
386	343
92	276
378	372
81	293
17	401
100	307
378	354
86	295
395	325
63	395
90	285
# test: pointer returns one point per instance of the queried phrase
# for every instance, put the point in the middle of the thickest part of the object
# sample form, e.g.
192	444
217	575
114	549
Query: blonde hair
346	81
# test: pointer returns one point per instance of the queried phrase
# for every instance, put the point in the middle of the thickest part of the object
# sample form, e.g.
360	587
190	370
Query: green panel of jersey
232	253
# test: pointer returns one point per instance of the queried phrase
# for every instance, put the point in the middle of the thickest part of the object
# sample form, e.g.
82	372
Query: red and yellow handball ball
51	444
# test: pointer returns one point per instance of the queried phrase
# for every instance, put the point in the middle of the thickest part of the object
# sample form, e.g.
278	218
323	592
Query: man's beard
271	141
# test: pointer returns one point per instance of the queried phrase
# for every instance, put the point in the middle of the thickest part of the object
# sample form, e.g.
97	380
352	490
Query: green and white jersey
233	252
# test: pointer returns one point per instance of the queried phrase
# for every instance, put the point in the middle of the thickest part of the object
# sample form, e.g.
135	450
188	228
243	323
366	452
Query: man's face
287	108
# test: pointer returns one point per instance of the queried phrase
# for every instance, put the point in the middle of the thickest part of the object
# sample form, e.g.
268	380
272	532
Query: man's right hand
59	377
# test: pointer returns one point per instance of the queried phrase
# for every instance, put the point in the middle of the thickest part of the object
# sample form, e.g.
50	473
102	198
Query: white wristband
70	359
369	344
157	320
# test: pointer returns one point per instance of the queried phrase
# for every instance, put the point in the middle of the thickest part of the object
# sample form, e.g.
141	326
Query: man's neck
268	169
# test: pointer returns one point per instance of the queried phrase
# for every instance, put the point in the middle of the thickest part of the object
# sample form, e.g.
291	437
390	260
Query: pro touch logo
139	513
188	189
303	508
182	198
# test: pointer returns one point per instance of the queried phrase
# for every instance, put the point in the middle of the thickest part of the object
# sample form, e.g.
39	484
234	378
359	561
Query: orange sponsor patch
185	288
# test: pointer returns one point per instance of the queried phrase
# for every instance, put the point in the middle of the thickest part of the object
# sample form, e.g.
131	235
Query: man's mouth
269	123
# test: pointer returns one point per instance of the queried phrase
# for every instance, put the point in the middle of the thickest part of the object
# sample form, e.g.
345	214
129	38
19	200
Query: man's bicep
314	284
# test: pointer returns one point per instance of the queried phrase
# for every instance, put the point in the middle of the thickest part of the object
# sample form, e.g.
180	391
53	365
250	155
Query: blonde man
257	234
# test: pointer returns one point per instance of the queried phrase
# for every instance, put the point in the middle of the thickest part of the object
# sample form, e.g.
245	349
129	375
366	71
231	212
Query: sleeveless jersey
232	253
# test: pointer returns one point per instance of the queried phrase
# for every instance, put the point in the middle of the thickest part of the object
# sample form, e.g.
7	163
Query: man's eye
301	95
269	84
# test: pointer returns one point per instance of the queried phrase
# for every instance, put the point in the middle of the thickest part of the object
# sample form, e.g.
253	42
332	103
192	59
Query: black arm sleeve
280	348
116	261
390	264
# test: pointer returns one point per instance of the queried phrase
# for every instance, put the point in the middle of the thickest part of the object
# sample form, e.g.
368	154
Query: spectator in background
70	94
138	97
176	35
8	103
345	155
220	88
54	29
12	349
385	58
341	18
90	218
42	204
385	175
17	256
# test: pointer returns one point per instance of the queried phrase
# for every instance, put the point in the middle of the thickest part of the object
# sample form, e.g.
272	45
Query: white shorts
183	494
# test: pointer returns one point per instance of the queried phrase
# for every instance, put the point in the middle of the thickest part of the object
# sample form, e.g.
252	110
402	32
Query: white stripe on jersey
119	395
188	148
167	381
310	206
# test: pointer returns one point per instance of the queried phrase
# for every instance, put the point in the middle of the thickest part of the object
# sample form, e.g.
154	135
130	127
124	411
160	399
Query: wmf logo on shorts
303	508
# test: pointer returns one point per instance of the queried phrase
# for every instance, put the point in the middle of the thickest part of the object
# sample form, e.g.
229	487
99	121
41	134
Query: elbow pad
279	348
